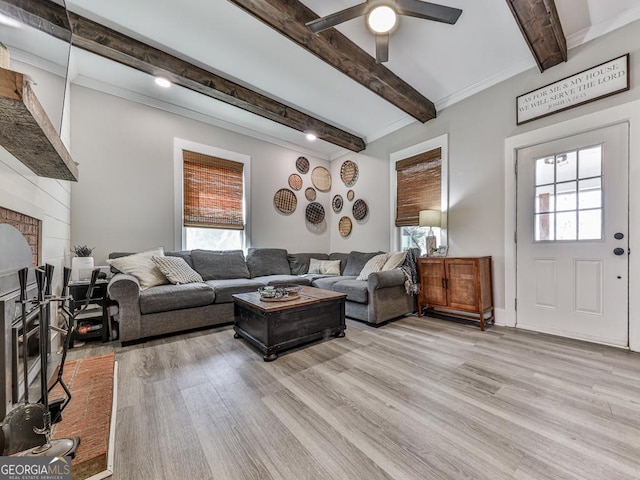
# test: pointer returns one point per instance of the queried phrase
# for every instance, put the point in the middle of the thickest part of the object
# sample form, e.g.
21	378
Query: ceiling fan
382	18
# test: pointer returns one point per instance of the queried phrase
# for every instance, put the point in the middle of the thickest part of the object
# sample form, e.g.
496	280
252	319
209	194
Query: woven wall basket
337	203
302	165
295	181
285	200
344	226
310	194
350	195
349	173
321	179
314	213
360	209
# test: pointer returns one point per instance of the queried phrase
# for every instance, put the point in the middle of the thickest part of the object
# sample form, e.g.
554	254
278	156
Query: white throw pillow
141	266
177	270
375	264
324	267
394	261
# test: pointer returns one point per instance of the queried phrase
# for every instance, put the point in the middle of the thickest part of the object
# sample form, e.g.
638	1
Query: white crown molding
397	125
38	62
103	87
608	26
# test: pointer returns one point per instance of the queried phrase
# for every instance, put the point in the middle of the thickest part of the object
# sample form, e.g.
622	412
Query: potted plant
82	264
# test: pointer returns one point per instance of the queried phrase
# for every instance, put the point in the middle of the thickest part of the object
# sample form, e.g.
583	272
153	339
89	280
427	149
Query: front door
572	236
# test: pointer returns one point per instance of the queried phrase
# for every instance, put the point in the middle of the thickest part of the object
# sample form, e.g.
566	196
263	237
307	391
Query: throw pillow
267	261
141	266
394	261
299	262
324	267
373	265
177	270
356	262
219	264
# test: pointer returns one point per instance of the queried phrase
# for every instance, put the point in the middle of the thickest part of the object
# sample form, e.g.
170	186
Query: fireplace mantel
28	134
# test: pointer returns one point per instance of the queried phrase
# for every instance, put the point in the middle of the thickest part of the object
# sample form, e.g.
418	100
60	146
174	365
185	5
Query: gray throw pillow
219	264
356	262
299	262
184	254
176	270
267	261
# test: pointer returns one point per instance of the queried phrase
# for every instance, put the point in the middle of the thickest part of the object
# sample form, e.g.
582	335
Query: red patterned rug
88	416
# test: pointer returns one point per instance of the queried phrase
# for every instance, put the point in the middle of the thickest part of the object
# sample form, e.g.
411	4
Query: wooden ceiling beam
540	25
288	17
110	44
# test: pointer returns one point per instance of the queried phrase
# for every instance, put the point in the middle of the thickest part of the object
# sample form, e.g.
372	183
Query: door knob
618	251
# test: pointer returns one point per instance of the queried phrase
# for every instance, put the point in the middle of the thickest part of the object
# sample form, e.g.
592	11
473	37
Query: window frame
179	145
441	142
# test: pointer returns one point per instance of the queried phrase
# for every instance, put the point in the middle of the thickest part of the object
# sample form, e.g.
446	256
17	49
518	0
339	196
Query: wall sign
597	82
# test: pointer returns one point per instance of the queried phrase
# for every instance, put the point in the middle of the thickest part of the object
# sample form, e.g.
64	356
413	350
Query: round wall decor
321	179
337	203
295	181
314	213
350	195
349	173
360	209
310	194
285	200
344	226
302	165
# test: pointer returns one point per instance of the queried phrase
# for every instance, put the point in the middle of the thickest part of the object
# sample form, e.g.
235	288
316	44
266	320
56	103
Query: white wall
124	199
46	199
478	128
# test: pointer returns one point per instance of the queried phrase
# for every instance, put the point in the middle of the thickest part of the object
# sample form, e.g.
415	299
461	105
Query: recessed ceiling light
163	82
382	19
311	136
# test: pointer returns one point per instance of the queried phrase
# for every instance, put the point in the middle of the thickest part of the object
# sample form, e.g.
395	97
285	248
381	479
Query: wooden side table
95	319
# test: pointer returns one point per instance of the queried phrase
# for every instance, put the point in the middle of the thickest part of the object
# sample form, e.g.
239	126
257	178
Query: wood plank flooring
419	398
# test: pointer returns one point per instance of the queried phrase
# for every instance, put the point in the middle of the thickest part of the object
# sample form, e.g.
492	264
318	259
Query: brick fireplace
30	228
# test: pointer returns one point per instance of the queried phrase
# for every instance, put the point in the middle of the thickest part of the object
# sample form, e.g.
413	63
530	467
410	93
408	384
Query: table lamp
430	218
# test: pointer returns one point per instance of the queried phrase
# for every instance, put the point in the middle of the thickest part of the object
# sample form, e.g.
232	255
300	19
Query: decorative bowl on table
281	293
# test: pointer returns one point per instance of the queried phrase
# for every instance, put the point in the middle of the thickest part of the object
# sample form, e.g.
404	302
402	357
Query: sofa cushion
326	283
343	260
141	266
176	270
356	290
374	264
164	298
356	262
324	267
225	288
219	264
299	262
267	261
183	254
283	280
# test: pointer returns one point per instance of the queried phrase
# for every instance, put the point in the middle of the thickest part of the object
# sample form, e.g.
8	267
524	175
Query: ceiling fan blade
429	11
334	19
382	48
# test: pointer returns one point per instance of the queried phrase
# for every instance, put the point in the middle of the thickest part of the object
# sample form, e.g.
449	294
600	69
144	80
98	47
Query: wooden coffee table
276	326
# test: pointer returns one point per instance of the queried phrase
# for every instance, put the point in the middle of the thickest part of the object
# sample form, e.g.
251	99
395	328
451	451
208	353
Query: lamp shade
429	218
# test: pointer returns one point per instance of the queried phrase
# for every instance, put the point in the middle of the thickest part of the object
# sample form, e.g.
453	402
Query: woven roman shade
419	186
213	192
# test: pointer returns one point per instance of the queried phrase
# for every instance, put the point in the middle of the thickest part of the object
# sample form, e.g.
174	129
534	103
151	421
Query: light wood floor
415	399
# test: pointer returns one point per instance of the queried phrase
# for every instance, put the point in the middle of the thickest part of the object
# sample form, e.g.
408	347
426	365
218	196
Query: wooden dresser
457	287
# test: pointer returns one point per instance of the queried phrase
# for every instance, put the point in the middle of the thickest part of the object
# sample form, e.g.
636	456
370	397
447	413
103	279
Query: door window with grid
568	190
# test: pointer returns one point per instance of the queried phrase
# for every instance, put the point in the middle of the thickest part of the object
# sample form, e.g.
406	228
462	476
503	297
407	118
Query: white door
572	242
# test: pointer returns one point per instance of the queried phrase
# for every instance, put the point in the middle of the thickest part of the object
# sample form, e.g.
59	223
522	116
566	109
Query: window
213	202
418	187
568	203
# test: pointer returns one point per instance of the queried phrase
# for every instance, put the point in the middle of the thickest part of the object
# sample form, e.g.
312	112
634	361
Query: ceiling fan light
382	19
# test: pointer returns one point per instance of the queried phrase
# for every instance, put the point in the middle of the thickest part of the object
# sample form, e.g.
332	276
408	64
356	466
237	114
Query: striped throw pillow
373	265
176	270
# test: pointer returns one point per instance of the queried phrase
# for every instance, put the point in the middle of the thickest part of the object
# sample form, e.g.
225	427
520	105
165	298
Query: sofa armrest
125	289
387	278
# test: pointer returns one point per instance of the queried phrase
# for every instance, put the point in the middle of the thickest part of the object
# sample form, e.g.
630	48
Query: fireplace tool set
27	428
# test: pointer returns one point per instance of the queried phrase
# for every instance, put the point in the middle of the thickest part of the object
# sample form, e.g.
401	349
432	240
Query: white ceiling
443	62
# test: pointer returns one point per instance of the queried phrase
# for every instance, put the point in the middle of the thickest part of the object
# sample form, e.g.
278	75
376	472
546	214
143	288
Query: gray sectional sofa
172	308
